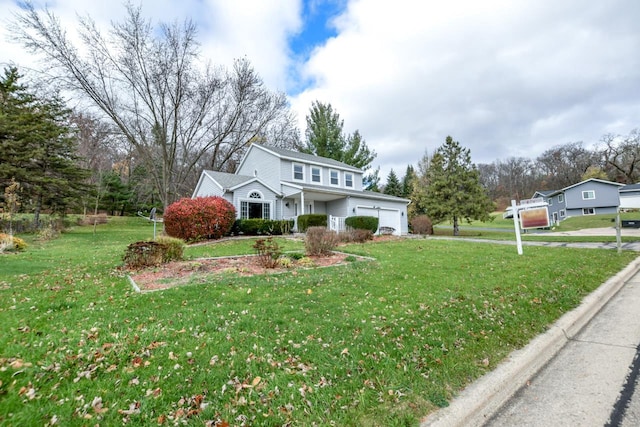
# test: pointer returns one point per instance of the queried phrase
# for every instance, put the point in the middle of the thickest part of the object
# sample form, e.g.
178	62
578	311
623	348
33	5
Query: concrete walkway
582	372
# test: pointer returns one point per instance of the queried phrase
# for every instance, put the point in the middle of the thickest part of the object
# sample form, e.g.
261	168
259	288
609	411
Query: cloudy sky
503	77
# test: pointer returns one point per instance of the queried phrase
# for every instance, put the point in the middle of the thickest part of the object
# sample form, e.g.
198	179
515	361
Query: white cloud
504	78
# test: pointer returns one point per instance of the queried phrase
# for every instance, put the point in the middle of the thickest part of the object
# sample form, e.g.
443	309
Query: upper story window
298	172
315	175
334	177
560	198
588	195
550	201
348	180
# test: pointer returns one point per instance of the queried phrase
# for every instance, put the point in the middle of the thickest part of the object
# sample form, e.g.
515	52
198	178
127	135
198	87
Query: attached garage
387	217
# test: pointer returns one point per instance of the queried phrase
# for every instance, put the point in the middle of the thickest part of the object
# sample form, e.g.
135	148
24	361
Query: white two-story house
273	183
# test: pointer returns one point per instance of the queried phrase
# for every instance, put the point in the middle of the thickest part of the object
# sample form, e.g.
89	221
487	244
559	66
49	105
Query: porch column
302	203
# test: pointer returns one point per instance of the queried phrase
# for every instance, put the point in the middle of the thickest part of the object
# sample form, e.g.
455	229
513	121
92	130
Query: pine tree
393	187
454	191
38	148
407	181
324	138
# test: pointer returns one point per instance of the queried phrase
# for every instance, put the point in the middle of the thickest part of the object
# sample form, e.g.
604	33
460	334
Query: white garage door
388	217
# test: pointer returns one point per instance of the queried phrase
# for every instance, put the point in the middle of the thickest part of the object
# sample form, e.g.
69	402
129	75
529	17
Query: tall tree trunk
456	229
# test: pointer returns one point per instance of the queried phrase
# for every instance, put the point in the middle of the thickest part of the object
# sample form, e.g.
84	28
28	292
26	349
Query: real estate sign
534	218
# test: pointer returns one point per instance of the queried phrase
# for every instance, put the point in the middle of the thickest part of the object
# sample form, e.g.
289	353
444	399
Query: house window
348	180
560	198
550	201
588	195
255	208
298	172
334	177
315	175
562	213
588	211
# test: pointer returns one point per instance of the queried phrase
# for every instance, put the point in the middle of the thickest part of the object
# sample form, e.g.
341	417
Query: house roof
307	158
630	187
228	180
550	193
345	192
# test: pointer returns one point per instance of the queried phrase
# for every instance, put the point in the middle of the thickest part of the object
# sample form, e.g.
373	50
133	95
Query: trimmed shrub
199	219
320	241
144	254
257	227
269	252
362	223
311	220
357	235
421	224
174	250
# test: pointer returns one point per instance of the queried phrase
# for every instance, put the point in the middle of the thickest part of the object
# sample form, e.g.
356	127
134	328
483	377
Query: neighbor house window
560	198
588	211
298	172
315	175
550	201
348	180
562	213
588	195
334	177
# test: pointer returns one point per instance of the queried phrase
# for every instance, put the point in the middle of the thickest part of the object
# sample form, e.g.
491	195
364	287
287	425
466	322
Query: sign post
530	213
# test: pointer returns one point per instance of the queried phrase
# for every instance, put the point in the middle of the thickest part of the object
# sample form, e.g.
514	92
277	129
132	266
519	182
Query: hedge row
311	220
362	223
262	227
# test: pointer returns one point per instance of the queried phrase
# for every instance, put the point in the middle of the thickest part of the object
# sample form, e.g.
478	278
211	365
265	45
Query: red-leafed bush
199	219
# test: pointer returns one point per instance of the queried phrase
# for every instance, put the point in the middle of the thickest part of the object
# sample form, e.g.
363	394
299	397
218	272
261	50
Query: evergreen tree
324	138
393	187
371	182
454	191
38	148
407	181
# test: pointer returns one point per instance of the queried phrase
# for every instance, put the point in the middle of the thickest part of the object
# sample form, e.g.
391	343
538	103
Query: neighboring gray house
590	197
630	196
274	183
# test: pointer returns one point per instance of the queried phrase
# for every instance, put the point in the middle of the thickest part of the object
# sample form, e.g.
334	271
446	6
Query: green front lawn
371	343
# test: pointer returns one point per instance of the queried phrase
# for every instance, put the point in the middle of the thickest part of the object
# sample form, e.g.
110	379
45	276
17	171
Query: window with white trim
255	207
588	195
316	174
588	211
298	172
550	201
560	198
334	177
562	213
348	180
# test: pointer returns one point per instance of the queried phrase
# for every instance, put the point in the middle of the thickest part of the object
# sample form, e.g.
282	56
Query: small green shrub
258	227
421	224
362	223
268	251
320	241
144	254
174	248
311	220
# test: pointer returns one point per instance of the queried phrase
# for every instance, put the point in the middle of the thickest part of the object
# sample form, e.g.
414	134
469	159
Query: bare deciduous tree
622	156
173	110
